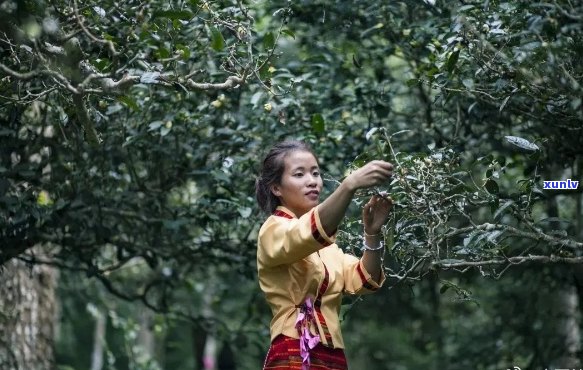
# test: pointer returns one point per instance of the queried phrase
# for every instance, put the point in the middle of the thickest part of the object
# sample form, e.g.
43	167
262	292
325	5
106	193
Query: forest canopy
132	133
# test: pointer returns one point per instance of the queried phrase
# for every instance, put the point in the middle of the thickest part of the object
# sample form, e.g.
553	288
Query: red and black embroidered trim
316	233
318	304
283	214
365	283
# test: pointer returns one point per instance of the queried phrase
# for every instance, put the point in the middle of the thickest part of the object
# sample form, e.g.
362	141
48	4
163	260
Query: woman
301	270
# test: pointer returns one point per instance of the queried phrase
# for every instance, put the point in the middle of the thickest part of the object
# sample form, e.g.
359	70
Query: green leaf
101	64
492	187
468	83
494	204
245	212
452	60
217	40
465	7
173	14
289	33
443	289
129	102
492	236
113	108
370	133
555	219
318	124
504	102
269	40
165	130
486	159
149	77
412	82
399	133
264	72
356	62
468	239
162	53
521	143
155	125
185	51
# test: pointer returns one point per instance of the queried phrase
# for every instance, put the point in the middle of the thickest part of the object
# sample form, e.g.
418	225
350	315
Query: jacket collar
282	211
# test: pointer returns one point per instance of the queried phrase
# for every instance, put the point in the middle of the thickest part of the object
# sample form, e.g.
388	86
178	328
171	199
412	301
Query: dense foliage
131	134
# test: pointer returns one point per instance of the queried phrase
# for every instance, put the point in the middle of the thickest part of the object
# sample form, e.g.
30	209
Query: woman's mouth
313	194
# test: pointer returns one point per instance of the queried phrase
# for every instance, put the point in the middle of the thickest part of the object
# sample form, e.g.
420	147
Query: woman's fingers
376	212
382	170
379	200
372	174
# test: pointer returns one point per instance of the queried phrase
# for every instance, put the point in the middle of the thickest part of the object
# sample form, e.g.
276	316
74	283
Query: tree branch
39	72
516	232
107	83
231	82
445	264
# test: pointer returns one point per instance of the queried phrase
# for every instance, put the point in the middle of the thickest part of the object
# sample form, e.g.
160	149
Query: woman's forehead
300	158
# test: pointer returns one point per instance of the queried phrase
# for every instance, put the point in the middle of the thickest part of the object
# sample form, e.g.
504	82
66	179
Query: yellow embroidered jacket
296	259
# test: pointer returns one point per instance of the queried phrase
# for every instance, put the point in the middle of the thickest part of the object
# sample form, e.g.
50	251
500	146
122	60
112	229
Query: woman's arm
332	210
371	260
374	215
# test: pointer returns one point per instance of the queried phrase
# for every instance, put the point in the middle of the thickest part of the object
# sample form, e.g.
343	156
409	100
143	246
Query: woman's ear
275	190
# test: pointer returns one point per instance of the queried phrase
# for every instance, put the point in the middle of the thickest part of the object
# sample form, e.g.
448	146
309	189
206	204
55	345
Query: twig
109	43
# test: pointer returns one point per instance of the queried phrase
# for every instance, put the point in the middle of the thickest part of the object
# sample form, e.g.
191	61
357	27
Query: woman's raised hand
332	210
371	174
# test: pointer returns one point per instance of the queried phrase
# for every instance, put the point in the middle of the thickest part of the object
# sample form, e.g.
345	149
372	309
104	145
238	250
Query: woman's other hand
375	213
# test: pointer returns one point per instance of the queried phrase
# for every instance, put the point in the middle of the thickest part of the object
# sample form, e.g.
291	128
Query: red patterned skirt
284	354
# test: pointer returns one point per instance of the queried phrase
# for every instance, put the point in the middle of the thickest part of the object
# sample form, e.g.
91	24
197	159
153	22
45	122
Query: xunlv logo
565	184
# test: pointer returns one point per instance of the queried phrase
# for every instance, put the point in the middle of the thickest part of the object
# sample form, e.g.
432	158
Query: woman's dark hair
272	170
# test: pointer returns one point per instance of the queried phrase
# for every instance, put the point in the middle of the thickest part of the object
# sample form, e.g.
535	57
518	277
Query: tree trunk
98	341
567	308
209	358
568	328
146	337
435	325
27	316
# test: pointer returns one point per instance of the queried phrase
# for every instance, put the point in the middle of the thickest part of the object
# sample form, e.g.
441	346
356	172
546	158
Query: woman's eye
316	174
298	174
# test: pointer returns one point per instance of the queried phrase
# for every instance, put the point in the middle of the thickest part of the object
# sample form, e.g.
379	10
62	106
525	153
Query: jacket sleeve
356	279
284	241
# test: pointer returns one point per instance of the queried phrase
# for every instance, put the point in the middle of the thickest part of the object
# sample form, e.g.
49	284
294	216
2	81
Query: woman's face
301	183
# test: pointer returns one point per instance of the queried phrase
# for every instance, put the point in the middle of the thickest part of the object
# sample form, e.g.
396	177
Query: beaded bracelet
367	248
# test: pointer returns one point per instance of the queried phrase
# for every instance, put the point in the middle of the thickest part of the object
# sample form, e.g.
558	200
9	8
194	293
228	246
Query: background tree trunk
566	297
568	328
27	316
98	341
146	338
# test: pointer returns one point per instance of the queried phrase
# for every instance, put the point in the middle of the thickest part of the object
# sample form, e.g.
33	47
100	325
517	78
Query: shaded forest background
131	134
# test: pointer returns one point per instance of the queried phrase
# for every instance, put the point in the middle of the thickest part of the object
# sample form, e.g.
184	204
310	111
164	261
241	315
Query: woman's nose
312	180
